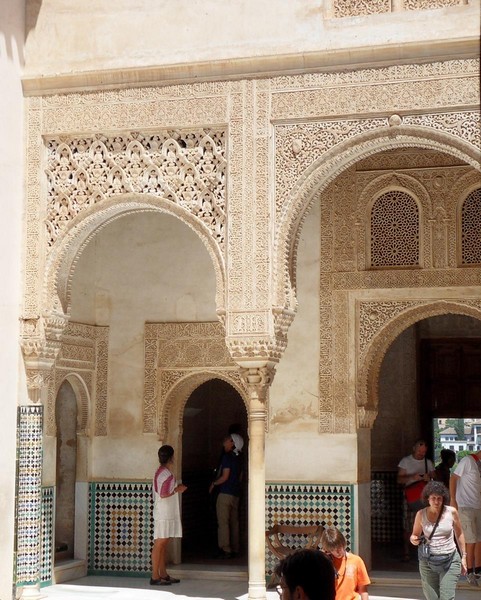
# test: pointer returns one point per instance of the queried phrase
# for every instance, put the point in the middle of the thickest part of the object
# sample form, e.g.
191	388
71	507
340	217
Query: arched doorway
442	350
210	410
66	469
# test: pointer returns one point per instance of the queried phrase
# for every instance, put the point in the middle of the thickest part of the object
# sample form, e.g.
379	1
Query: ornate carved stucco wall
83	361
217	139
178	358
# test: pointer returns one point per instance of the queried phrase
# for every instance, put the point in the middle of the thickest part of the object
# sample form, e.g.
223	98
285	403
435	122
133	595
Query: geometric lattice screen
395	231
471	229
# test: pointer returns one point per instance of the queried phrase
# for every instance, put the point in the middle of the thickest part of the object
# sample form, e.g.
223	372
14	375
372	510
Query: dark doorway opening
66	419
211	409
432	372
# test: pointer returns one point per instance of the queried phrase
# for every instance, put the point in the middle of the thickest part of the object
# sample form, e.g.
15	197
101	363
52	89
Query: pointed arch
83	400
64	255
322	171
367	393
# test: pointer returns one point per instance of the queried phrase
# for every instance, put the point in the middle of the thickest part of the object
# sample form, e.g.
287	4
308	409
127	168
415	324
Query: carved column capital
40	340
38	381
365	417
257	381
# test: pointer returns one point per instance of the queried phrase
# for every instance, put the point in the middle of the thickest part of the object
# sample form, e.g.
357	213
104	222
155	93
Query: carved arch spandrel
390	324
83	362
69	245
171	409
328	165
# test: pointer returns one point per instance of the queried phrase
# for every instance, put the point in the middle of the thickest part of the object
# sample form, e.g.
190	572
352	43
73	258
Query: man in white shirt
465	489
412	468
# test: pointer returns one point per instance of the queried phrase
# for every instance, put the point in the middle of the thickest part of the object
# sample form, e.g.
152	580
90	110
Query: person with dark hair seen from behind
166	514
434	531
351	573
465	489
414	470
443	470
306	575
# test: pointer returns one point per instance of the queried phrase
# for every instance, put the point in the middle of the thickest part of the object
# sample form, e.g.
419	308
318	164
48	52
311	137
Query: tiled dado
386	507
120	528
121	525
46	535
306	504
28	493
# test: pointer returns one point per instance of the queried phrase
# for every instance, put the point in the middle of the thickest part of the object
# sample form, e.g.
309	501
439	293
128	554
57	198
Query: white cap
238	442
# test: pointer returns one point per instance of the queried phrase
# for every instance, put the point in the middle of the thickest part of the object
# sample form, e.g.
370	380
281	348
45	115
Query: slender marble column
258	381
257	482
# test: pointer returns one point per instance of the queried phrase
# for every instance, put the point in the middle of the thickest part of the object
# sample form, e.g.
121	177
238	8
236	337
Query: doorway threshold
219	572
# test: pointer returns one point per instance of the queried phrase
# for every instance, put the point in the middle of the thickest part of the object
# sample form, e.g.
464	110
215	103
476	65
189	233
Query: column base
257	590
31	592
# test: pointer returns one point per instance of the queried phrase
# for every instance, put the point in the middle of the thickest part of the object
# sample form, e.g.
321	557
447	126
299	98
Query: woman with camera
434	532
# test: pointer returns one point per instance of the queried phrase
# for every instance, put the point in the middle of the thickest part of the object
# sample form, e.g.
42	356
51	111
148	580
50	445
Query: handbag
424	549
414	492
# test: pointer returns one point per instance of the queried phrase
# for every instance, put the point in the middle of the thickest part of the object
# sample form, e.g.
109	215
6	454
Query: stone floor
386	586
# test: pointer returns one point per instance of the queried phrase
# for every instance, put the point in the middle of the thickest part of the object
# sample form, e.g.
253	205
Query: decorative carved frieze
186	167
357	8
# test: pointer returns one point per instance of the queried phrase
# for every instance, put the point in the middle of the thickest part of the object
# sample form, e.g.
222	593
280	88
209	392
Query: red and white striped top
164	481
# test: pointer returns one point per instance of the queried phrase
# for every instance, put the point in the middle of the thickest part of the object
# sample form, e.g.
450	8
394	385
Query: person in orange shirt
351	573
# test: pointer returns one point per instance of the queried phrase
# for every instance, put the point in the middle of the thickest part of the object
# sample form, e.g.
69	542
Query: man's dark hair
311	570
447	454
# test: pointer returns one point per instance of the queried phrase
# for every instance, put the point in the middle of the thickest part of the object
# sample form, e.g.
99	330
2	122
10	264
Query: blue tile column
29	499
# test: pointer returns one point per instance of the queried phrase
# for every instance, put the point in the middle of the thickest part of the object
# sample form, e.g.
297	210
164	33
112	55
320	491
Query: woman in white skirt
166	515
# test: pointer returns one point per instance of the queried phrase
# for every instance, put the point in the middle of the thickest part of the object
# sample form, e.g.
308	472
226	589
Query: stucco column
258	381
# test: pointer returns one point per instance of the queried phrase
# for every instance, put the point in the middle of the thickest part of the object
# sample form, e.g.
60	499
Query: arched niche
171	415
324	169
370	362
66	471
64	255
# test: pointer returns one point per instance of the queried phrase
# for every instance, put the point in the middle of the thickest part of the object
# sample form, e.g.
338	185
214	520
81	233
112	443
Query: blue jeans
440	586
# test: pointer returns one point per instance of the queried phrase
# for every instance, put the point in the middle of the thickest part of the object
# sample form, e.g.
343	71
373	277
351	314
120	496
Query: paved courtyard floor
134	588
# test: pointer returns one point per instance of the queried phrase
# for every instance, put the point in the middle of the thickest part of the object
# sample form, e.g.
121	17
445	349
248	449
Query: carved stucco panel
178	353
355	8
435	278
185	167
82	360
394	97
420	71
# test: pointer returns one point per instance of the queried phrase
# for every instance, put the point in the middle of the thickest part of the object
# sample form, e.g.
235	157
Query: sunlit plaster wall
295	451
143	267
11	207
116	34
